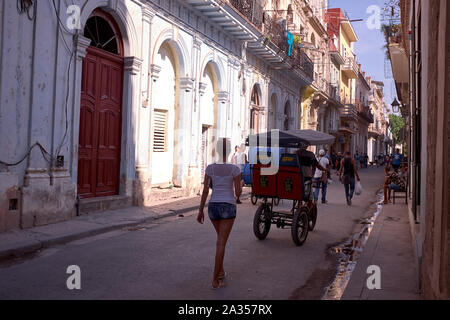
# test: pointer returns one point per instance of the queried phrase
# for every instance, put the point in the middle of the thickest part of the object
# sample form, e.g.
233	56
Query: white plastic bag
358	188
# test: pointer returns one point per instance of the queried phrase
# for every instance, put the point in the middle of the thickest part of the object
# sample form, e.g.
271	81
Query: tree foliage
396	124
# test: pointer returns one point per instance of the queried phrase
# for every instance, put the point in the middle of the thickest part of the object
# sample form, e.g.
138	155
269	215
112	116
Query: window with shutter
160	131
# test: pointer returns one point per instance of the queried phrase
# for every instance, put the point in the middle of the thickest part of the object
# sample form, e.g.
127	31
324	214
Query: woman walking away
224	178
348	165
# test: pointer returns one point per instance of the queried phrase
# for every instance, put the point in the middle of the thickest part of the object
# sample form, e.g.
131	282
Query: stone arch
216	63
255	107
118	10
287	114
178	44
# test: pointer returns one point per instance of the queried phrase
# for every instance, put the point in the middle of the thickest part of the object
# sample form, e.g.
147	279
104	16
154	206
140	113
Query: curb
36	245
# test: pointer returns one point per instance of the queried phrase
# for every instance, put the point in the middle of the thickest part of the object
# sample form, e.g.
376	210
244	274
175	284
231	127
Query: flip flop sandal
222	277
222	284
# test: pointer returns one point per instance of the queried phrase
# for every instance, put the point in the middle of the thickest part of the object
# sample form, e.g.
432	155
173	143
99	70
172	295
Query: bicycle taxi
277	174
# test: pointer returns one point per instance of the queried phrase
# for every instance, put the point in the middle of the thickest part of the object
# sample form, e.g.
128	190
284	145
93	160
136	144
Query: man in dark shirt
308	163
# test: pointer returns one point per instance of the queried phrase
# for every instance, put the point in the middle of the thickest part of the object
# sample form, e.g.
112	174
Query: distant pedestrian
357	158
347	174
235	155
241	160
321	177
333	160
226	183
380	160
397	159
338	161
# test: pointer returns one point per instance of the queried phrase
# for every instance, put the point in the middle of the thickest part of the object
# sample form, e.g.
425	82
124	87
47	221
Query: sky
369	48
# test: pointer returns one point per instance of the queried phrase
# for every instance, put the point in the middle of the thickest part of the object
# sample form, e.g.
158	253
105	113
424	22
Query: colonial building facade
132	98
112	103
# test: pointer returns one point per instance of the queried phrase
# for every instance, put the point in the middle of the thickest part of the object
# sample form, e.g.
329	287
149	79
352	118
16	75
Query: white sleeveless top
222	176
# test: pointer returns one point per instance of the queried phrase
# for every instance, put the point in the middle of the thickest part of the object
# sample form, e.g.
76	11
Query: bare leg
224	229
386	188
216	224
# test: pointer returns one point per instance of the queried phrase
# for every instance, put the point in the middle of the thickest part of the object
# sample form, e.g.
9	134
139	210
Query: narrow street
172	258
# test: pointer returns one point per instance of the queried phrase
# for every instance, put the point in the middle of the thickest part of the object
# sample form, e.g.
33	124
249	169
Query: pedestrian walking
321	177
235	155
380	160
357	158
241	160
333	160
338	161
397	159
349	171
224	178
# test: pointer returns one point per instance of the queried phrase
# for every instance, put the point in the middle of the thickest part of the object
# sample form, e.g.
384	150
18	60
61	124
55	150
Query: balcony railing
275	32
321	83
349	111
277	35
334	93
366	114
350	65
304	62
250	9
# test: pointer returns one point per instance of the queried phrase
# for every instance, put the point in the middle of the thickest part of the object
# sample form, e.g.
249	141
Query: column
182	133
81	44
130	109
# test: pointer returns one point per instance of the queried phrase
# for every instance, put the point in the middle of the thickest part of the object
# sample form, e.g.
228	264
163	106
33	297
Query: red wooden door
100	124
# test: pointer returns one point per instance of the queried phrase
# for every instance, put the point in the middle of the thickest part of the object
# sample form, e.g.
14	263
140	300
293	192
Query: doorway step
91	205
162	194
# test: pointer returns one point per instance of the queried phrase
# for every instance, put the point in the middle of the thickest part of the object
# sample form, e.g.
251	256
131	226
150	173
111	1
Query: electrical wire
24	6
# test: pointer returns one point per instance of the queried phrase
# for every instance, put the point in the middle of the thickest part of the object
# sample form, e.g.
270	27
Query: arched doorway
255	107
287	112
101	108
208	115
273	113
165	114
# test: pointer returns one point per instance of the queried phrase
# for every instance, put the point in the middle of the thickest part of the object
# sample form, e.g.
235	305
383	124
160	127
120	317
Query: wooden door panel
100	125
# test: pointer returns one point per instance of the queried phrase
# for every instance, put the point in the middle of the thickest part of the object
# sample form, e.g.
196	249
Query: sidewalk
19	242
389	247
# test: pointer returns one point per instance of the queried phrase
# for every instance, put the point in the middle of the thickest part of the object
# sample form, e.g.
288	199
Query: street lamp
395	106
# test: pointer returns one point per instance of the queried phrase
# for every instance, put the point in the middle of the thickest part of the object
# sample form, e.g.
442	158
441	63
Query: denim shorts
221	210
394	187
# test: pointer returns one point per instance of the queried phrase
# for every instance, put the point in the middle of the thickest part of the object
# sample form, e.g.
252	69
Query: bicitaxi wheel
300	225
312	217
262	221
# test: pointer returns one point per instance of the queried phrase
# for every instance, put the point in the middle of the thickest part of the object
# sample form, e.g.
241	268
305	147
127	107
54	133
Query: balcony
245	20
335	54
366	114
334	92
350	68
349	111
321	83
250	9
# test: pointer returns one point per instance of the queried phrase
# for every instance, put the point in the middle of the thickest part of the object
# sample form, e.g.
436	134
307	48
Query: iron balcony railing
349	111
350	64
250	9
366	114
275	33
302	61
334	93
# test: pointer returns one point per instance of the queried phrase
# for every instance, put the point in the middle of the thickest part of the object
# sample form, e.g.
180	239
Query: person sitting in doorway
394	181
